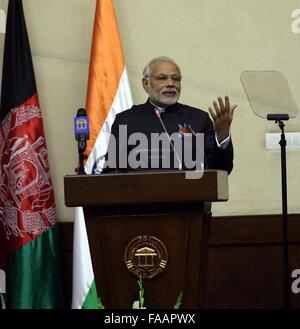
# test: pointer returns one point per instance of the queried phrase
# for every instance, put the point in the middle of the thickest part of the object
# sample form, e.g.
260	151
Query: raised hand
222	117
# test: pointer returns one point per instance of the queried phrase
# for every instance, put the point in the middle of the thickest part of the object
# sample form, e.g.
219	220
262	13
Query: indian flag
108	94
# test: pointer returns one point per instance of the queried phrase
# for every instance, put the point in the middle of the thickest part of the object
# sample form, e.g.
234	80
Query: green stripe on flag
91	300
33	276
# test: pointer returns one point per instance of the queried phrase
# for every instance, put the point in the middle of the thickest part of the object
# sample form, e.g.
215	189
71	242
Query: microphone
82	134
81	129
157	113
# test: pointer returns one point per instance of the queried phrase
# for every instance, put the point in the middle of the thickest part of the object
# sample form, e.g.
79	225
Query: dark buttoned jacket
177	118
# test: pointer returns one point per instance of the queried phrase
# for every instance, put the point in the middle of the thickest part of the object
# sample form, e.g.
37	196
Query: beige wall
212	40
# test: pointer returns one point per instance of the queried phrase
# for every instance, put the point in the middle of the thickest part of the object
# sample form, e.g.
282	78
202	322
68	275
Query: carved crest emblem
146	256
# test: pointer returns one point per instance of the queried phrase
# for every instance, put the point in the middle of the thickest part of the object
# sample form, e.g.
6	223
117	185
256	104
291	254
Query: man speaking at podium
154	135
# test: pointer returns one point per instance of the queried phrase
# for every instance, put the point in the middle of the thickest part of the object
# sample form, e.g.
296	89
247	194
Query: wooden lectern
152	225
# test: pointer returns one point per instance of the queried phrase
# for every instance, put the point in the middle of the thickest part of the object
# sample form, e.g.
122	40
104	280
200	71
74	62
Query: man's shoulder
131	112
192	111
140	109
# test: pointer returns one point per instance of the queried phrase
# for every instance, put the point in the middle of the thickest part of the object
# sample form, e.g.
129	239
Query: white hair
147	70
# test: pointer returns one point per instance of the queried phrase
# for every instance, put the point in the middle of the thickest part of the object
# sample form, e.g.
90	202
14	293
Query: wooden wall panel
245	261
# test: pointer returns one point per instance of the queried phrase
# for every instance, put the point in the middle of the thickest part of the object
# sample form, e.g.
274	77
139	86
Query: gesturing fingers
227	103
214	117
223	109
216	108
219	108
233	108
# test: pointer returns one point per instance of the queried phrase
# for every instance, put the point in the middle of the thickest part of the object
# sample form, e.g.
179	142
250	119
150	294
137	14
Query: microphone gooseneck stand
157	113
81	148
279	118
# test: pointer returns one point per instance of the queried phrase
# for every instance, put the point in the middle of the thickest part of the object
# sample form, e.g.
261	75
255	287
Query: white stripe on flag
83	275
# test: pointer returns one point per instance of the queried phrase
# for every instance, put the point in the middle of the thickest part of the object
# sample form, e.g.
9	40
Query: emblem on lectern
146	256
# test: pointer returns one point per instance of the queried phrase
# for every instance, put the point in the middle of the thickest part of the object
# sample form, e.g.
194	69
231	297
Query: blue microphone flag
82	126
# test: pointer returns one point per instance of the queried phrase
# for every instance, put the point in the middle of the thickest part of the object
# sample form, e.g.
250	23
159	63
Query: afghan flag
108	94
28	228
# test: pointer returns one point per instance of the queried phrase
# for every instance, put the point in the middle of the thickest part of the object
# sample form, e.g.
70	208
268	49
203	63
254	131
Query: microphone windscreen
81	113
